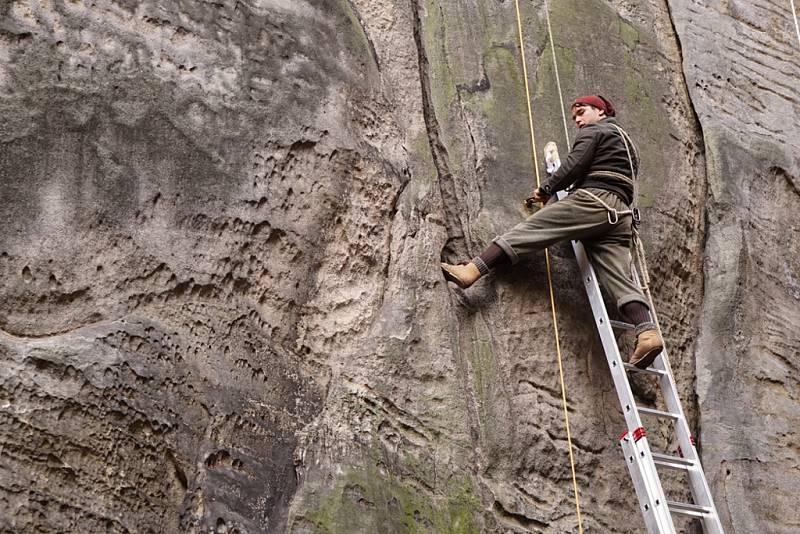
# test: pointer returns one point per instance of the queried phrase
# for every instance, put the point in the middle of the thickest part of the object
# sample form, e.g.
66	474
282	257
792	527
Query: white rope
625	138
640	261
555	69
796	25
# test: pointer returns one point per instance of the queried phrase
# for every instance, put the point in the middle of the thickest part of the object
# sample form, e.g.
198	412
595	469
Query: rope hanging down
555	70
527	95
547	256
796	25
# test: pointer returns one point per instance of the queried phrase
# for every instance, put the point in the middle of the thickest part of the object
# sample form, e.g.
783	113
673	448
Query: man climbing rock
601	168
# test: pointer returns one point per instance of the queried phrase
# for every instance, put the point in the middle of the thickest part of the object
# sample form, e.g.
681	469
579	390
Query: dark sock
494	256
639	315
490	258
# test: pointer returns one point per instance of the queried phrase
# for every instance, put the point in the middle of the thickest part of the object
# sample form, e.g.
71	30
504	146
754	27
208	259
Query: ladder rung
649	371
646	467
673	462
659	413
688	509
619	325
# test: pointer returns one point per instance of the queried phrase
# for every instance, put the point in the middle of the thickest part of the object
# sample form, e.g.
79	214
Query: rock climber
600	169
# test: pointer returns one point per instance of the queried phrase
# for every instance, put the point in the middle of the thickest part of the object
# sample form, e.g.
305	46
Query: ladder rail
699	485
655	518
656	510
701	491
671	398
648	488
607	338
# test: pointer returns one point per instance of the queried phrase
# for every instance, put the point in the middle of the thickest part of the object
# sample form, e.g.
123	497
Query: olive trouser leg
579	216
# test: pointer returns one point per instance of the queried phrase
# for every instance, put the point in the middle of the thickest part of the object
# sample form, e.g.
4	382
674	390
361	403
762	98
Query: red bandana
597	101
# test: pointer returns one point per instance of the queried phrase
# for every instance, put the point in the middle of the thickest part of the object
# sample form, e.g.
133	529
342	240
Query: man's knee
633	297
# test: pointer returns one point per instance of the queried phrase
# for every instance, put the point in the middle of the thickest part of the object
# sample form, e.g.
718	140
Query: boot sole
647	360
451	277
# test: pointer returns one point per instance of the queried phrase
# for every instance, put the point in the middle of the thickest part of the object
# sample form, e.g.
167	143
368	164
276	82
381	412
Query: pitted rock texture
174	181
742	64
221	304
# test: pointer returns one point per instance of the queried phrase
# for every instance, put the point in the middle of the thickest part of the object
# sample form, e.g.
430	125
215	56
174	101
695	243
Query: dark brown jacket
598	147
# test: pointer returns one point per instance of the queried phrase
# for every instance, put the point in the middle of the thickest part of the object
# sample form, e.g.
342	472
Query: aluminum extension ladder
642	463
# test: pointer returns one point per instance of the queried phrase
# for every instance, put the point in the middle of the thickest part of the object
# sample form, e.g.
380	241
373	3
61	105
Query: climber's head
591	109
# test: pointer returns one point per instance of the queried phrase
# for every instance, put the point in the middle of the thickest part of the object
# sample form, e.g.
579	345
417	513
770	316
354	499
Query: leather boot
461	275
648	346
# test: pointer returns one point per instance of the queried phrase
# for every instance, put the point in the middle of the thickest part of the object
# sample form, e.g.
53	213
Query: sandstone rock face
221	305
742	64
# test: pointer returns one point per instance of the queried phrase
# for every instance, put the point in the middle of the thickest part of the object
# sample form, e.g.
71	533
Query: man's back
598	159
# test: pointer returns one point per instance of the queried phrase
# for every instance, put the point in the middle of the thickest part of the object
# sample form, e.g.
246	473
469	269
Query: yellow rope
563	393
549	273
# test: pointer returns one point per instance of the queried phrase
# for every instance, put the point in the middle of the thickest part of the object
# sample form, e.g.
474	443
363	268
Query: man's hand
539	196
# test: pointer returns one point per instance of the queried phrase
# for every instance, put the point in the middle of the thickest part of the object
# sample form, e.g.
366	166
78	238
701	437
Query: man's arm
577	163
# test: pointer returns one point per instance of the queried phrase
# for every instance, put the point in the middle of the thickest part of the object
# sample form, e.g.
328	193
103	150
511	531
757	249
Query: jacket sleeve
576	164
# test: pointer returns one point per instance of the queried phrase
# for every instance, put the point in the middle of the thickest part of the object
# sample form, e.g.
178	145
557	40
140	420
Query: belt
612	174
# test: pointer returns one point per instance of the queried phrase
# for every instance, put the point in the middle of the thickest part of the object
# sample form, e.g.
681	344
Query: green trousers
581	217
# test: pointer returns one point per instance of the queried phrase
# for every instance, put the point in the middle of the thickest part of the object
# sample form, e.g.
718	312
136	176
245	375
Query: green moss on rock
628	33
369	501
483	371
354	34
504	107
638	94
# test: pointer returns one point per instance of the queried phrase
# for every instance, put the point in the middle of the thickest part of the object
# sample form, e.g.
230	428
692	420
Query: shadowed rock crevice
446	182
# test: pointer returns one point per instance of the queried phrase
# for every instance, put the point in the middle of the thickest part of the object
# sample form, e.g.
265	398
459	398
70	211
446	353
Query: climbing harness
617	175
614	214
641	461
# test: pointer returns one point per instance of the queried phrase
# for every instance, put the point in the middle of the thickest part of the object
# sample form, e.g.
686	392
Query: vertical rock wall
221	305
742	64
454	423
192	222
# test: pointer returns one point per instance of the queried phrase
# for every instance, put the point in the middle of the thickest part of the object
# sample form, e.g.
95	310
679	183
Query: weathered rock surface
221	223
742	64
